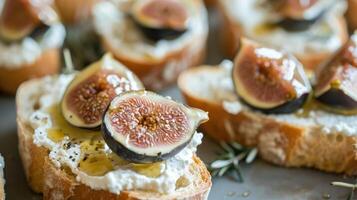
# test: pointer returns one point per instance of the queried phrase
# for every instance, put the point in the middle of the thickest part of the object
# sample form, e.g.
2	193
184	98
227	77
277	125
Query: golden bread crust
47	64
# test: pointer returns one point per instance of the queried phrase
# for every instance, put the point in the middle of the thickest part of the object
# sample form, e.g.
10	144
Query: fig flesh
269	80
336	85
88	95
19	18
160	19
144	127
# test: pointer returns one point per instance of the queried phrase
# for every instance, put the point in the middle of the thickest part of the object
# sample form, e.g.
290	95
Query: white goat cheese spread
111	22
118	179
28	50
252	15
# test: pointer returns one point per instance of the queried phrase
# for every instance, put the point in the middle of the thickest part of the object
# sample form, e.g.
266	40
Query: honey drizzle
95	161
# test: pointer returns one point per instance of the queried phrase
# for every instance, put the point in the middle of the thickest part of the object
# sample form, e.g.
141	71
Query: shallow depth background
262	180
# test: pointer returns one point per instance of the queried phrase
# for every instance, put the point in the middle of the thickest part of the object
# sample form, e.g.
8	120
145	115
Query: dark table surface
262	180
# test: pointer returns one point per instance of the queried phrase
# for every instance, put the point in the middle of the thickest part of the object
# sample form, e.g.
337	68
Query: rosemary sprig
229	159
347	185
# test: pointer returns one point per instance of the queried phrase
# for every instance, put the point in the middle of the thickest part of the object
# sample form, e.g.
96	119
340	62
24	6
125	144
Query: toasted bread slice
157	64
320	140
309	57
58	183
47	64
2	180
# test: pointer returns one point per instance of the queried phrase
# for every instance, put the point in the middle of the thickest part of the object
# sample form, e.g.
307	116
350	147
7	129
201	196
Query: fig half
144	127
91	91
18	18
269	80
160	19
336	84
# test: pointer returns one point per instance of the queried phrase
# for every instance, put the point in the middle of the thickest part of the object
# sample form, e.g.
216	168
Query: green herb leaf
238	172
230	158
251	156
347	185
220	163
223	171
350	196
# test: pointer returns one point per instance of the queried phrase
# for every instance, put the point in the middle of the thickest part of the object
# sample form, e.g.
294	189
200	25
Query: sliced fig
19	18
269	80
91	91
160	19
336	84
144	127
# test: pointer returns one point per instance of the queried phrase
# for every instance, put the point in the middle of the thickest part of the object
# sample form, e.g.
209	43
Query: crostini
312	31
263	99
156	39
30	41
145	148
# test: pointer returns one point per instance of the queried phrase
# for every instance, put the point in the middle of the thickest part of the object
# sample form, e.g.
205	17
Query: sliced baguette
234	31
156	71
47	64
55	183
285	140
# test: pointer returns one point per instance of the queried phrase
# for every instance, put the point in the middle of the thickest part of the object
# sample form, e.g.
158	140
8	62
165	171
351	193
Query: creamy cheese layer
112	22
28	50
66	152
253	17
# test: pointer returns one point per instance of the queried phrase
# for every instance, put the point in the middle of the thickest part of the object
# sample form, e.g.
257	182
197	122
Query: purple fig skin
156	34
338	99
293	25
286	108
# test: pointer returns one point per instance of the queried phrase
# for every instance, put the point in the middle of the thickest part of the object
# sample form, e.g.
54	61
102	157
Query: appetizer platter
178	99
